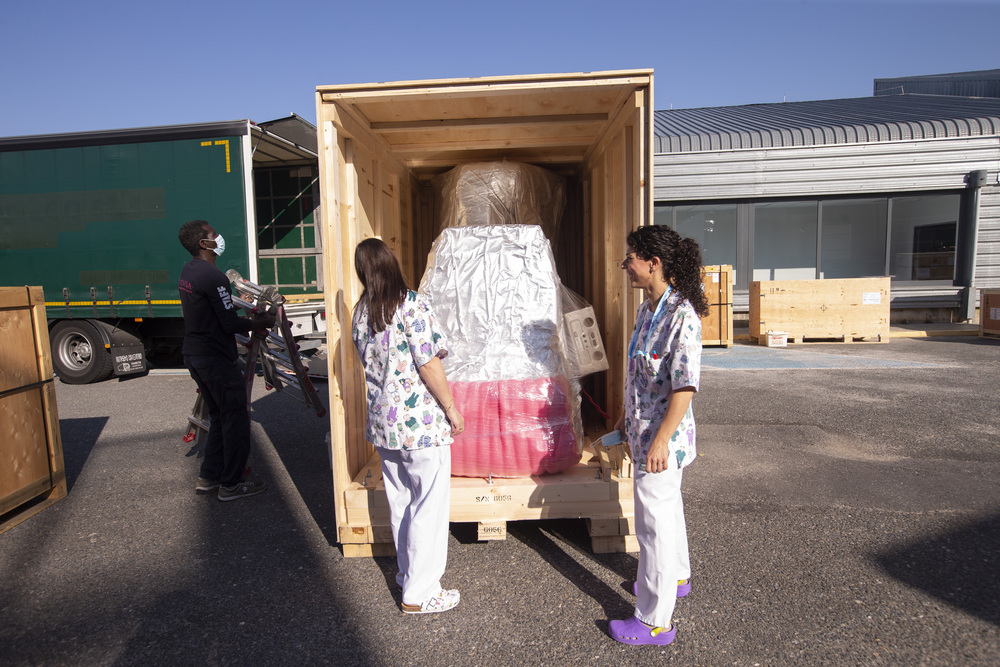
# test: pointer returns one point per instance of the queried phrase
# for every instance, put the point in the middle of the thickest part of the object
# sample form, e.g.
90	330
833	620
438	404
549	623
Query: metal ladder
275	349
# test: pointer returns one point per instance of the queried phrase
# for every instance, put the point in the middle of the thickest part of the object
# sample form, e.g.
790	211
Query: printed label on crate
871	298
995	313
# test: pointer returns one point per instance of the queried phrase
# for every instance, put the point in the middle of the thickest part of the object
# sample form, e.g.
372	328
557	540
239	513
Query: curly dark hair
680	258
191	233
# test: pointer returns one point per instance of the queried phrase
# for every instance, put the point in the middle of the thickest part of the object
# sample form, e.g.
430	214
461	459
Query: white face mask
220	245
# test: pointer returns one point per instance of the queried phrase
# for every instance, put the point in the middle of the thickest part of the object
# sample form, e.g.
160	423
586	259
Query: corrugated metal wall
988	254
846	169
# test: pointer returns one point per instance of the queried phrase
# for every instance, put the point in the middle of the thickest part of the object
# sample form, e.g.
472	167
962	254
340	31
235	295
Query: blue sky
107	64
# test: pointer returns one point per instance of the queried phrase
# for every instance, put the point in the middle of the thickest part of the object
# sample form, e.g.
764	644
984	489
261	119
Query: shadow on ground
961	568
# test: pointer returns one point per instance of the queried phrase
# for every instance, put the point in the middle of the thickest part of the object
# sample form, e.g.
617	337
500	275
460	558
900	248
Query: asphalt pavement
844	510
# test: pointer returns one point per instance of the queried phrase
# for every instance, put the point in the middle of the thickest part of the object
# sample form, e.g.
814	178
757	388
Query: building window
713	226
924	230
784	240
853	238
911	238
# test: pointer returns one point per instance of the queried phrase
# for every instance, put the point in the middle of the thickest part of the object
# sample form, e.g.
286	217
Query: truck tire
78	352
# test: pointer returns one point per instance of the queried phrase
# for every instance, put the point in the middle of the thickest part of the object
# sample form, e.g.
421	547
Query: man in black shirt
210	324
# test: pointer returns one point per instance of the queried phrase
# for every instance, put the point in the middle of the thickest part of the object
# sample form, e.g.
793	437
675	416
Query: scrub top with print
664	355
402	412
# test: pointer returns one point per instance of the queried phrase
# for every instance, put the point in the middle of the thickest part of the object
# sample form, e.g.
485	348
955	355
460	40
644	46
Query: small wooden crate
842	309
717	327
989	312
32	474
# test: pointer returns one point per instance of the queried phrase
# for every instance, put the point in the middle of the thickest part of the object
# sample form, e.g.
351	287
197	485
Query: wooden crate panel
31	460
839	309
989	312
717	326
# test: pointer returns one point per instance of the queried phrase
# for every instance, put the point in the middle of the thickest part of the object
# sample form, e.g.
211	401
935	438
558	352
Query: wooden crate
989	312
32	474
717	328
842	309
380	145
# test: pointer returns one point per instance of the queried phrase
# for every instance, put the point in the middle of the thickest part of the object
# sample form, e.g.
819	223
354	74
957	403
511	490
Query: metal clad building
982	83
892	149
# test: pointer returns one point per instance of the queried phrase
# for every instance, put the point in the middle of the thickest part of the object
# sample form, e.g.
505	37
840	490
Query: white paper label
871	298
995	313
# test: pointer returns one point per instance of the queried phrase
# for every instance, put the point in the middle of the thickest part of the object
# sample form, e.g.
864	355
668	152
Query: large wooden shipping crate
380	146
989	312
841	309
32	474
717	327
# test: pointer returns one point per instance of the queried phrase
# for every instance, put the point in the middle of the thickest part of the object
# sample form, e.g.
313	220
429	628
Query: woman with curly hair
663	374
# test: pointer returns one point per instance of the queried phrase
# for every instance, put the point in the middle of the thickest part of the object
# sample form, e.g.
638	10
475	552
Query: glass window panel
853	243
713	226
290	271
287	237
265	269
784	242
923	233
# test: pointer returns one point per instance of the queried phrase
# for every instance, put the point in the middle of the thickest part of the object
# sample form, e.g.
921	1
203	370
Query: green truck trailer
93	218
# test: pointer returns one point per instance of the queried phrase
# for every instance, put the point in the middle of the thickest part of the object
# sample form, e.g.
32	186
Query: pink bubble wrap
514	428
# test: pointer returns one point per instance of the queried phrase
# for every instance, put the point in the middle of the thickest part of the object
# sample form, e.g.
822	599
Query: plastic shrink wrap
496	297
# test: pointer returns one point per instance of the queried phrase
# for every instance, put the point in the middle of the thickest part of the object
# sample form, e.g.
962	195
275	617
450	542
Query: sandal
636	633
683	588
443	601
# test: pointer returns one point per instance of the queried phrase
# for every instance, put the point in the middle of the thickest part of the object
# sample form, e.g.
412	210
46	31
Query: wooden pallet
32	472
598	488
811	340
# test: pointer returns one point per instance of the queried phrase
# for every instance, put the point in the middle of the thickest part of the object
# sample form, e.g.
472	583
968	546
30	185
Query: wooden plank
376	550
491	530
614	544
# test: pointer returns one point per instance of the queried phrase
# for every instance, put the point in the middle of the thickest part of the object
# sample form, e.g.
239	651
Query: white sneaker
443	601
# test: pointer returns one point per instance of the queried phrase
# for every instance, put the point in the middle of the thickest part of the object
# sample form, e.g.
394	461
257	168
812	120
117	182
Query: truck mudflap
129	359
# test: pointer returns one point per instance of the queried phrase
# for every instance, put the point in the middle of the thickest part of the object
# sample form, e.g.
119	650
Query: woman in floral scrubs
411	420
663	373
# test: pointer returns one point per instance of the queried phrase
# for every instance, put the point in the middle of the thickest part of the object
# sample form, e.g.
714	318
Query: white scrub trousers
418	486
663	546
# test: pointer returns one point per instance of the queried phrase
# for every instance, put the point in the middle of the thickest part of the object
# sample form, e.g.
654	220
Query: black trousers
227	447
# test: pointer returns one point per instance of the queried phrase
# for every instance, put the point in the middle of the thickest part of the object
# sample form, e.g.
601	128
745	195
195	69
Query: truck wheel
78	352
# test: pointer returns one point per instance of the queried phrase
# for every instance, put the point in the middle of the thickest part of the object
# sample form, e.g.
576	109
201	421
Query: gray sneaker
243	489
205	485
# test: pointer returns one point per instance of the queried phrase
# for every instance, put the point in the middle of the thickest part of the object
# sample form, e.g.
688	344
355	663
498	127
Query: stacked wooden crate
717	327
989	312
842	309
32	475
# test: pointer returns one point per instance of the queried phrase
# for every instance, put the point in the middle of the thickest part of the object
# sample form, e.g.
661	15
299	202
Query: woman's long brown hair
380	275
